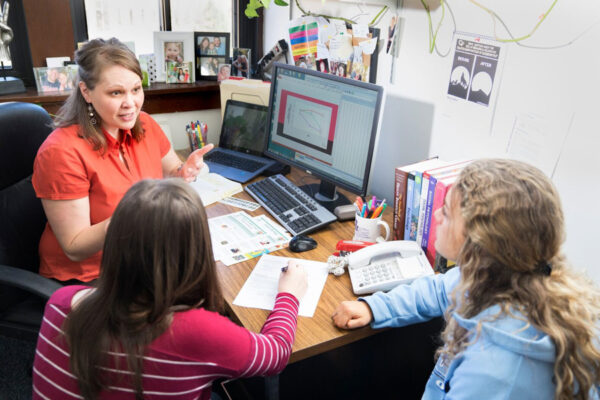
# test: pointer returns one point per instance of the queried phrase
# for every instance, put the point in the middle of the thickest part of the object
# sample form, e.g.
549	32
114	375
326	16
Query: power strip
280	48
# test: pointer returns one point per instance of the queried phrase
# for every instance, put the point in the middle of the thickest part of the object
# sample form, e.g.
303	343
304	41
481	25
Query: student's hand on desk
352	314
293	280
194	163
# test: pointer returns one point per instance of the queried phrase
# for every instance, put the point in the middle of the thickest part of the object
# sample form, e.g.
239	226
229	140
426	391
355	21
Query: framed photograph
209	67
179	72
224	72
172	46
55	79
208	46
240	63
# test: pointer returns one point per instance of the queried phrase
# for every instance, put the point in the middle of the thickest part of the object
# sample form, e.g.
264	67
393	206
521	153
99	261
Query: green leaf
281	3
266	3
251	8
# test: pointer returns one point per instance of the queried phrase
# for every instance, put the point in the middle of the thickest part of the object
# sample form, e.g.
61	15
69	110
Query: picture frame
209	66
240	62
179	72
55	79
173	46
210	45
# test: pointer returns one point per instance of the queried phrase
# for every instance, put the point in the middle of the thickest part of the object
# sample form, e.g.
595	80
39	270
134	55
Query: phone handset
396	248
384	266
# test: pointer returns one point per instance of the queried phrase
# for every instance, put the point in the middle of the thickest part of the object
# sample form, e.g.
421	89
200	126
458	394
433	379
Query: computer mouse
300	243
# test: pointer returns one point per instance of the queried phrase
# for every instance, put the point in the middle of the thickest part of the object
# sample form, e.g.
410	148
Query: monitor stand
325	194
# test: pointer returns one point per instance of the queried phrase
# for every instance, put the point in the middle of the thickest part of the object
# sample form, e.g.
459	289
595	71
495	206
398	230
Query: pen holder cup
368	229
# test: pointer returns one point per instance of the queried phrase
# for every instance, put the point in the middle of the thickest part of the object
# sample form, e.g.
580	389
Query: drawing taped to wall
474	70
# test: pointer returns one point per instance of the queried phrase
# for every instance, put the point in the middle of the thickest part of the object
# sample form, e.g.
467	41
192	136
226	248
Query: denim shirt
509	359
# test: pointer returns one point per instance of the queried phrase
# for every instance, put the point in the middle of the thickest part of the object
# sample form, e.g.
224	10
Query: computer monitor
324	125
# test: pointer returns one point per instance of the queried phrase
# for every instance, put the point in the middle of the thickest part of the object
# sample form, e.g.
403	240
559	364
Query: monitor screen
323	124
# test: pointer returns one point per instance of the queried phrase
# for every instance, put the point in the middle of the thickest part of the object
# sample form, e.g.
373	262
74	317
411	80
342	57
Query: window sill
159	97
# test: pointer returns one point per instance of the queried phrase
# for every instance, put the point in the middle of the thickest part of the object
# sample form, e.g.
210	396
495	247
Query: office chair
23	293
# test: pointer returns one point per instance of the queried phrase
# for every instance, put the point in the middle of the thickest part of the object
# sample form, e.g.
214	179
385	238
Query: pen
358	202
364	210
284	269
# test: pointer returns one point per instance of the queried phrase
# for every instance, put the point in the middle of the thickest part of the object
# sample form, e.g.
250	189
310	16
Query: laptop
241	144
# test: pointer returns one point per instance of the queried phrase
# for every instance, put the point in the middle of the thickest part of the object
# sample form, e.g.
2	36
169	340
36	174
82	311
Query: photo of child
323	65
174	51
224	72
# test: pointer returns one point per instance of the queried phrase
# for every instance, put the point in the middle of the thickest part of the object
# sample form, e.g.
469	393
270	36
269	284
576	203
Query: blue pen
364	210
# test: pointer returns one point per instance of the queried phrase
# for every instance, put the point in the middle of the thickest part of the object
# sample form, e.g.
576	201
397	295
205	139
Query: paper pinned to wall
537	141
340	47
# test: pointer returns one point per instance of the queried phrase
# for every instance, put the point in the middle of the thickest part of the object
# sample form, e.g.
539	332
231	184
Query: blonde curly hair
514	229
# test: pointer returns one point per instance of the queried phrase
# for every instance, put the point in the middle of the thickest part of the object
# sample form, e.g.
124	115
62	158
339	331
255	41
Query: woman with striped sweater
151	328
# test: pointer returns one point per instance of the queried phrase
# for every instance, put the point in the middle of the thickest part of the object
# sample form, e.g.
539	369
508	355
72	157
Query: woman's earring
91	114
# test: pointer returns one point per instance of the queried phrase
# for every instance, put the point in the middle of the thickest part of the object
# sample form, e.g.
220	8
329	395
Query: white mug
367	229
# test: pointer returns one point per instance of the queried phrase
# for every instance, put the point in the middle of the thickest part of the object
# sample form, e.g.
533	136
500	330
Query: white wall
174	125
559	85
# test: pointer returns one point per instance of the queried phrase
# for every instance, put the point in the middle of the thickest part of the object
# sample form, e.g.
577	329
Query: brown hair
157	260
92	59
514	229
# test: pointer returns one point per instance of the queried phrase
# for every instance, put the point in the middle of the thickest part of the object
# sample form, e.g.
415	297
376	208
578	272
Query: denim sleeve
419	301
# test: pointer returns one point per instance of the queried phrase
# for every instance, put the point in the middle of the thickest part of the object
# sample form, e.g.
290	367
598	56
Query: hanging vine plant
254	5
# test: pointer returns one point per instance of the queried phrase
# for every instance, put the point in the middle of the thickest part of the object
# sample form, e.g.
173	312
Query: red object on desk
351	245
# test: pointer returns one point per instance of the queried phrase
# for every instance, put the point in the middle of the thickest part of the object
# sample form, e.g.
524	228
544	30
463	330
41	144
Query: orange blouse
67	168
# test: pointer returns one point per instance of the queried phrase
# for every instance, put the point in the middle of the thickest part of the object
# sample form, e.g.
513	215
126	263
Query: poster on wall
475	70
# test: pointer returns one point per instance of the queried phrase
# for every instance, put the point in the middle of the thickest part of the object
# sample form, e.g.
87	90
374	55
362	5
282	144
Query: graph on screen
307	120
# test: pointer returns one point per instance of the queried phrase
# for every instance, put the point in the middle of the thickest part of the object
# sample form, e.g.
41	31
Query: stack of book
419	190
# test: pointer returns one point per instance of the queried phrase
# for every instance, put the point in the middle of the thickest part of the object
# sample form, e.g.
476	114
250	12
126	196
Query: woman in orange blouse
103	144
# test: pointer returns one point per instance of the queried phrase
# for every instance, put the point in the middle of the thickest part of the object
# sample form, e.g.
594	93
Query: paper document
213	187
260	288
239	237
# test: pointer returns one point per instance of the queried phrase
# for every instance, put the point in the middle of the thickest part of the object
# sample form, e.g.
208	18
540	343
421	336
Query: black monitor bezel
327	178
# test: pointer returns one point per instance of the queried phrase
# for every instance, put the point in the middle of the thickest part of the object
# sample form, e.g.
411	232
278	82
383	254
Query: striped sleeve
271	349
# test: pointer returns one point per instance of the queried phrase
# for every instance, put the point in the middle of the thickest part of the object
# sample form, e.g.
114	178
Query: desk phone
384	266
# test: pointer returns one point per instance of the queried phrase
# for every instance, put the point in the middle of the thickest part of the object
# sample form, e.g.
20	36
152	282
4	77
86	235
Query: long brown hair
514	230
157	260
92	59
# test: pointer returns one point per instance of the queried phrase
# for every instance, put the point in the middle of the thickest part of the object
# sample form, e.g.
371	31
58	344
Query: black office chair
23	293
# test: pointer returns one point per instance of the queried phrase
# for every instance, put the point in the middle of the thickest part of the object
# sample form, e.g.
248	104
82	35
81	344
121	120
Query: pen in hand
284	269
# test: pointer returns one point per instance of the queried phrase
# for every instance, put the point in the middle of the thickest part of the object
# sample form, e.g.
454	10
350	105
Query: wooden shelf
159	97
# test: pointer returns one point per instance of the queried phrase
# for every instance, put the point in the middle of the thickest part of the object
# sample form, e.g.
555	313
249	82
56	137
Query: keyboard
230	160
289	205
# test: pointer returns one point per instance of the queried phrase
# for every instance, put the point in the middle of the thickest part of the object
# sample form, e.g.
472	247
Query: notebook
212	187
241	144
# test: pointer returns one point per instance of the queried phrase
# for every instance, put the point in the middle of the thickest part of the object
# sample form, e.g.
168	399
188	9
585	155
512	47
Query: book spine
429	219
410	190
414	216
422	206
400	178
440	191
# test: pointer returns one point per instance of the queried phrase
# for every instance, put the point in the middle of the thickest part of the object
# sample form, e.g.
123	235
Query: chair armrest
28	281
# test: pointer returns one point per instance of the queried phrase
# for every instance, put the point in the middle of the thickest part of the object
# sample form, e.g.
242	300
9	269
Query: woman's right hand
293	280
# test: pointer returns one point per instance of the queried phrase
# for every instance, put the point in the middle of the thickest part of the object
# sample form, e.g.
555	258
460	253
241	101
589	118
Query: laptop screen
244	127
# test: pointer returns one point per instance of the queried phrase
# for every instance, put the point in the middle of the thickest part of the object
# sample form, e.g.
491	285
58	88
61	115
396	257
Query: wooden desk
314	335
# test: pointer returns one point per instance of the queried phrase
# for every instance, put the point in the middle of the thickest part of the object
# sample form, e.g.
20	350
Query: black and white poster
474	70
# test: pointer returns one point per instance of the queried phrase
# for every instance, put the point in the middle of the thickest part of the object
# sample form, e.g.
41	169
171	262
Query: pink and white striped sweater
199	347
